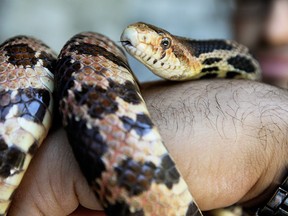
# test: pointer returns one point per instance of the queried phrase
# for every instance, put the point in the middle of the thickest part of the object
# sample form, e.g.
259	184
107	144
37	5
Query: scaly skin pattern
177	58
26	86
113	138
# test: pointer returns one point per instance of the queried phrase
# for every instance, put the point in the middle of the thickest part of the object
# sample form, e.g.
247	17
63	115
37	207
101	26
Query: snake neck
217	59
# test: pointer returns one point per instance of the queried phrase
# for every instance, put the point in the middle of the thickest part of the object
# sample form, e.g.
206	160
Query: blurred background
55	21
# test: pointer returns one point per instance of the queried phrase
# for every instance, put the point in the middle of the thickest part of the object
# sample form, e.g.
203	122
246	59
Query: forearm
243	122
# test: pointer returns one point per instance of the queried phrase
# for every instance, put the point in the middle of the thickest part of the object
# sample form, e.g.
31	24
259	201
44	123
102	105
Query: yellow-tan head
158	50
177	58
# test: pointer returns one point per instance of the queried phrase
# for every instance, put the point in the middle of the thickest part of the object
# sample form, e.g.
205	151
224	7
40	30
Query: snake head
157	49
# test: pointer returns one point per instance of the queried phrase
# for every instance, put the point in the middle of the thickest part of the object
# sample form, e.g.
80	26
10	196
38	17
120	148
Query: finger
53	184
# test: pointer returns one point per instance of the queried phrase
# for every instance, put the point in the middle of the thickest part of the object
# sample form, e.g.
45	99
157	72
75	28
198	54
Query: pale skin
230	147
228	138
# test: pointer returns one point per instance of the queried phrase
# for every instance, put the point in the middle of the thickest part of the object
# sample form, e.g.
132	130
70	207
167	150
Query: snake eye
165	43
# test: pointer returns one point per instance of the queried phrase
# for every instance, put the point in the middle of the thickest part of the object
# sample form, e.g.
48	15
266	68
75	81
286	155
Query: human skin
228	138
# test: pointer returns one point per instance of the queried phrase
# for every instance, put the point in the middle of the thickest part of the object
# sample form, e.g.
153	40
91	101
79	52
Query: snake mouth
126	43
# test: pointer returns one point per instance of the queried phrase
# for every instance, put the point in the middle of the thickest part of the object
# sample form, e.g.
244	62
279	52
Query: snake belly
117	146
26	86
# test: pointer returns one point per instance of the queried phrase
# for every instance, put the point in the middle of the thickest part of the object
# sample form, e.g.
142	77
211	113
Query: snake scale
116	144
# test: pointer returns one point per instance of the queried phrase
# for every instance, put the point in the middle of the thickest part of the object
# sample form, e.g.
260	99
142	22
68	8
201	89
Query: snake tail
110	131
177	58
26	86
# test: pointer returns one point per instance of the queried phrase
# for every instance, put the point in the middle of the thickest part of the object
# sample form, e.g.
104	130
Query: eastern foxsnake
118	148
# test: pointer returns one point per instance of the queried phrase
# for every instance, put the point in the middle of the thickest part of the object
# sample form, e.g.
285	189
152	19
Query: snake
118	147
26	108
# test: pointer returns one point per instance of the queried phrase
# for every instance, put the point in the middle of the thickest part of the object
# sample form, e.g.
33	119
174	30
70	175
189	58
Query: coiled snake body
26	85
118	148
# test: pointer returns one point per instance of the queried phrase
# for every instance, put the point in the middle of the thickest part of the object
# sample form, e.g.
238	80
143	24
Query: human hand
228	139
